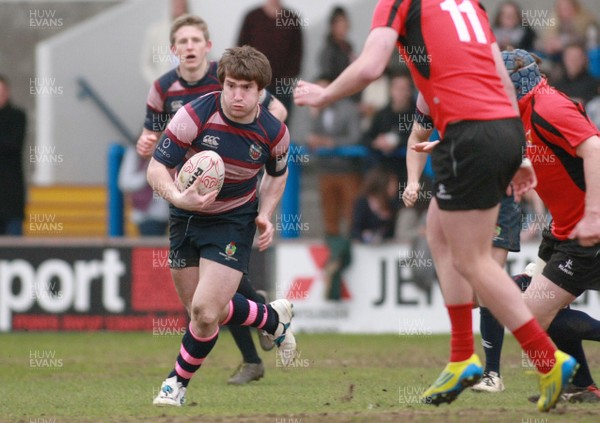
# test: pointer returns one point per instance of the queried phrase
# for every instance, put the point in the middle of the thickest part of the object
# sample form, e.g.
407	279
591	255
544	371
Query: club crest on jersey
255	152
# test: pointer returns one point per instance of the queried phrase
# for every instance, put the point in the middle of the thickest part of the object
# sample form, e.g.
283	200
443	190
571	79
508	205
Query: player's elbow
370	72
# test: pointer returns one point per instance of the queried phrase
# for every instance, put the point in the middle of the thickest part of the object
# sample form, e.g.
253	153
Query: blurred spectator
157	58
374	97
377	94
277	33
376	210
571	23
511	29
150	212
337	52
577	82
13	122
339	180
339	177
388	134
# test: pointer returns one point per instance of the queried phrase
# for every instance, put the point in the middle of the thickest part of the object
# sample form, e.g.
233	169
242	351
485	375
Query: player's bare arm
271	190
161	179
415	163
369	66
146	142
587	230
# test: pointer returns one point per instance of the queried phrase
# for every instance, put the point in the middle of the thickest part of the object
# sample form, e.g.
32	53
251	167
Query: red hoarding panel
152	287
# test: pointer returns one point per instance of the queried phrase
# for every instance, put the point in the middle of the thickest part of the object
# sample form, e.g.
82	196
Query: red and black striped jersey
447	45
555	126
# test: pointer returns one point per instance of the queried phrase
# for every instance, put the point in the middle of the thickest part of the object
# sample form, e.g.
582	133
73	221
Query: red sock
537	345
461	341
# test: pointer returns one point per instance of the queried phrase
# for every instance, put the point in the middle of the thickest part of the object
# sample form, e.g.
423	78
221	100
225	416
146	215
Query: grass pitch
113	377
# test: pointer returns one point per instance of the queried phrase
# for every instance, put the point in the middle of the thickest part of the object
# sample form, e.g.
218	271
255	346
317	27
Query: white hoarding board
379	291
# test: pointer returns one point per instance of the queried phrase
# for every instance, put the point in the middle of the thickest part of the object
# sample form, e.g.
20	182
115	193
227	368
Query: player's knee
204	317
465	268
542	312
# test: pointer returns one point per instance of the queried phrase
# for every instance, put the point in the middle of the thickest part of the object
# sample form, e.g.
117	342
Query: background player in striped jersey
193	77
456	64
212	234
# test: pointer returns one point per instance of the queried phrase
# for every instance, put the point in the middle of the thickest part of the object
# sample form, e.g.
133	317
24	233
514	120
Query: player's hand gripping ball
207	166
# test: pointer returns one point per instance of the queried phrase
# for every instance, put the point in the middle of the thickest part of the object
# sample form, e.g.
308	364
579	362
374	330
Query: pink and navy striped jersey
245	148
170	92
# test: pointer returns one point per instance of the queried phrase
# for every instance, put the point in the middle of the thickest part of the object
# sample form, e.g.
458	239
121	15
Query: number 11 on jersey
456	13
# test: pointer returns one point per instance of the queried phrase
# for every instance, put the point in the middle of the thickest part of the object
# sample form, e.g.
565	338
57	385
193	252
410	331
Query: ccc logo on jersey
176	105
211	141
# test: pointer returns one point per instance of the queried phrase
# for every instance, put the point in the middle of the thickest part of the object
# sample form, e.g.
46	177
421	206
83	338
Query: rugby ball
207	166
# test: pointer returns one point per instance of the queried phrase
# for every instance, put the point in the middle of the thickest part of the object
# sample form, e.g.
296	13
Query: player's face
191	47
240	99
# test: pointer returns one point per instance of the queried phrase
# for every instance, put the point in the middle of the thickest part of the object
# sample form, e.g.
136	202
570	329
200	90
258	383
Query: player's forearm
271	191
415	161
161	180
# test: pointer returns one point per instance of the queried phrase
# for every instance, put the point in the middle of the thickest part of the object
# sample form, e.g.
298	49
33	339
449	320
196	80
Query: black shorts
225	238
508	225
475	162
569	265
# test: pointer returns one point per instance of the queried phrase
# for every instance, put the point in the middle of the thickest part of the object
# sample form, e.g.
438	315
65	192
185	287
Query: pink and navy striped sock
192	353
243	312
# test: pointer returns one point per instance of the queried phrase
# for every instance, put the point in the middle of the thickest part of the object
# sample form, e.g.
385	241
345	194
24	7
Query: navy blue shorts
225	238
569	265
508	225
475	161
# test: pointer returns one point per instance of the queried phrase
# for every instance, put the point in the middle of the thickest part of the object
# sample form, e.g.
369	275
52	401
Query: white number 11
456	12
